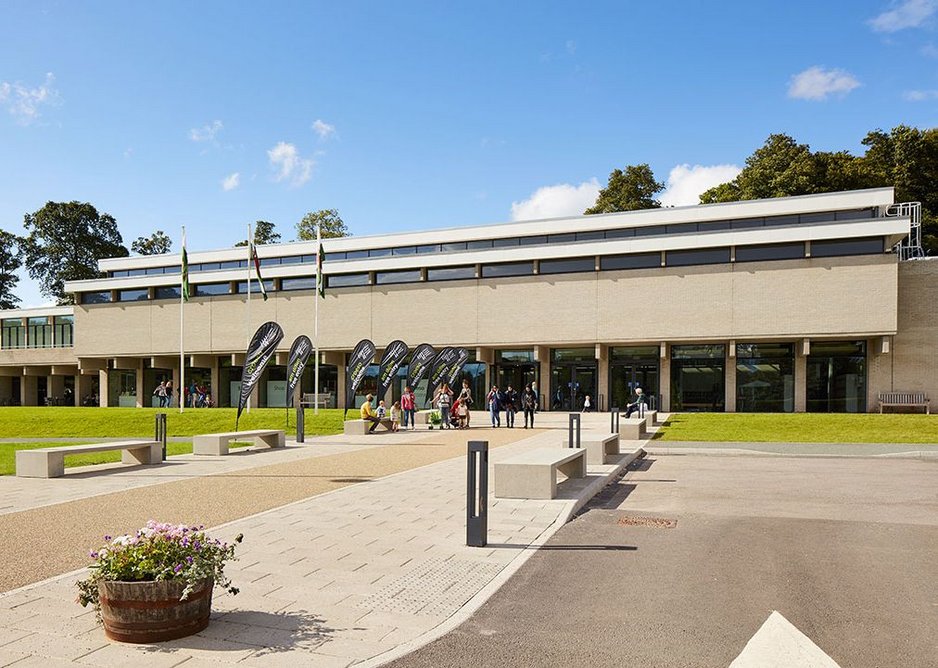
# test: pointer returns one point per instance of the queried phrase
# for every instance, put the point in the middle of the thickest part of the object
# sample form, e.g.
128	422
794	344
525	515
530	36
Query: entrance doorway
697	378
836	377
631	368
573	375
516	368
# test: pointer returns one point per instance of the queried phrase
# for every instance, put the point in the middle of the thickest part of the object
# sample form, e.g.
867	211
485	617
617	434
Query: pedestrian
587	405
368	414
637	404
381	411
511	406
396	416
169	393
558	400
409	407
529	404
536	397
493	401
465	396
160	393
463	411
443	402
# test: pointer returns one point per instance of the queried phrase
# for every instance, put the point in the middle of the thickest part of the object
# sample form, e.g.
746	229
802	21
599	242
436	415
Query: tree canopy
628	190
330	225
9	263
157	243
64	242
264	233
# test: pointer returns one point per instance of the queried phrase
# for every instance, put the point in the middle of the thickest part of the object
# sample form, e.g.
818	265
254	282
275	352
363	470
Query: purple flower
94	555
178	568
107	537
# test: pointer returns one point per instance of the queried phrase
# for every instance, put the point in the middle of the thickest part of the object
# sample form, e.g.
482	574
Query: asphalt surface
845	549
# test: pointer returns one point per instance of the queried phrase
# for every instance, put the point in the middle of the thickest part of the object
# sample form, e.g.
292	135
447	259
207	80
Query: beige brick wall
913	360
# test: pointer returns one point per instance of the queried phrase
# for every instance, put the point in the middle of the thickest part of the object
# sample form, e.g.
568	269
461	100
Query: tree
65	240
629	190
9	263
263	234
157	243
330	225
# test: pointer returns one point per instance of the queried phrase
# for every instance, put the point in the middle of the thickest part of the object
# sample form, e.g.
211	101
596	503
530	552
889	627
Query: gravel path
42	542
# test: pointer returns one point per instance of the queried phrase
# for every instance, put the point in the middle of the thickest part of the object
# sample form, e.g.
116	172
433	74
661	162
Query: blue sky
407	116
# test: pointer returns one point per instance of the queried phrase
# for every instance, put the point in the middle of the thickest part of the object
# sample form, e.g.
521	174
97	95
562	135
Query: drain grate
436	587
656	522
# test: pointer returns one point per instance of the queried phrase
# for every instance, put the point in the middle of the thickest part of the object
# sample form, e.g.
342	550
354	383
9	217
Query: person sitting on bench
368	414
635	406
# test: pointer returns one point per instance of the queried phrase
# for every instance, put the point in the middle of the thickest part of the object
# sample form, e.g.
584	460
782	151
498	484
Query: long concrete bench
361	427
50	462
533	475
633	429
651	419
217	444
600	446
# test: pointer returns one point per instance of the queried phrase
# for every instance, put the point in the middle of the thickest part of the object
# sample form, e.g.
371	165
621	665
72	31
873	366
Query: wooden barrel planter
145	612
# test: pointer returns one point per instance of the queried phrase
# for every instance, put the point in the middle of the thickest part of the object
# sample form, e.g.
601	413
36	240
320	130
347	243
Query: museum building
813	303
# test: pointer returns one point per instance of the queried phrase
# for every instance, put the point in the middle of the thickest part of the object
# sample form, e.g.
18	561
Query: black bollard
160	431
300	424
614	420
477	491
571	432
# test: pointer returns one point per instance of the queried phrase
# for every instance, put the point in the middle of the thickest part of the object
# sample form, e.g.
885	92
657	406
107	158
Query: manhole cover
656	522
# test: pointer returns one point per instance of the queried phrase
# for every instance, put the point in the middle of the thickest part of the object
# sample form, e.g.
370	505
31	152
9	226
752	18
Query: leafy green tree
628	190
329	222
263	234
157	243
9	263
64	242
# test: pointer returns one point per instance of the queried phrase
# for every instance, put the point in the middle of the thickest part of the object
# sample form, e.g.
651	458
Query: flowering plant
159	551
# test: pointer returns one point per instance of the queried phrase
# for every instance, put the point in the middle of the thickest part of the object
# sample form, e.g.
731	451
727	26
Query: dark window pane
567	265
210	266
95	297
269	261
855	214
533	241
764	350
846	247
291	259
432	248
303	283
561	238
774	221
379	252
713	226
683	228
505	243
137	272
356	255
633	261
404	250
311	259
346	280
838	348
327	257
153	271
743	223
507	269
650	231
454	247
479	245
769	252
620	234
255	289
593	235
132	295
212	289
634	352
119	274
450	273
387	277
166	292
684	258
231	264
817	217
705	351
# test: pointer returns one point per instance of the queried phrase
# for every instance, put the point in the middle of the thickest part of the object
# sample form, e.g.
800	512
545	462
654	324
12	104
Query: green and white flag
257	271
320	280
184	281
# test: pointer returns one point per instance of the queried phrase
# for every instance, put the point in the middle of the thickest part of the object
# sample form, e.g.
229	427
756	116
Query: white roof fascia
37	312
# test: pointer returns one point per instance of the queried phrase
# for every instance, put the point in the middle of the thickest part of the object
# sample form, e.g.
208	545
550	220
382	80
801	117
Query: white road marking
779	644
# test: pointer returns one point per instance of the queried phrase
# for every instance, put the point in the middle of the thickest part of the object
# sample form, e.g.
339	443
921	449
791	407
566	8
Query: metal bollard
300	425
614	420
160	431
574	419
477	491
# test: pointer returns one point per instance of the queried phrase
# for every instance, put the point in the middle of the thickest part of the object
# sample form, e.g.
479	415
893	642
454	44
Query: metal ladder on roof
909	248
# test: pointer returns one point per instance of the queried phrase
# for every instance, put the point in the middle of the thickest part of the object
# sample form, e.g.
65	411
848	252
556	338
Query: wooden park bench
217	444
904	400
533	475
50	462
600	446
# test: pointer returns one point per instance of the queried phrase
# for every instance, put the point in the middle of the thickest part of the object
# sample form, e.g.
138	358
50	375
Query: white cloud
556	201
816	83
686	183
231	181
206	132
323	129
289	164
908	14
24	103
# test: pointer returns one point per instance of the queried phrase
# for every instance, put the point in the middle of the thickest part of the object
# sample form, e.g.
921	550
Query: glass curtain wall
229	378
573	376
122	388
63	325
765	377
631	368
12	334
328	382
836	381
39	333
698	377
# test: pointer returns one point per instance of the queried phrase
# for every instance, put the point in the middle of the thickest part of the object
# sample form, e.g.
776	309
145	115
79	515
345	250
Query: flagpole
247	314
316	331
182	328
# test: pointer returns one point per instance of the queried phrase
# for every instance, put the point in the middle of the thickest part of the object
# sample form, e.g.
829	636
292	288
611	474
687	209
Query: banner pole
316	330
182	328
247	314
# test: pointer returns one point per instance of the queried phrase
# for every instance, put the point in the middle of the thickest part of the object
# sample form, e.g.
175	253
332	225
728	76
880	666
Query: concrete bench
600	446
50	462
361	427
217	444
533	475
651	418
633	429
904	400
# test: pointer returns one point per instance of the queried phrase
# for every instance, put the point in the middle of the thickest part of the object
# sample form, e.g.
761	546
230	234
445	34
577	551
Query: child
396	416
382	412
587	406
463	411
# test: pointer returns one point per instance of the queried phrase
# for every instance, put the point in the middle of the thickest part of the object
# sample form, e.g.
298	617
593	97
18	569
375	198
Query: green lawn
801	428
59	421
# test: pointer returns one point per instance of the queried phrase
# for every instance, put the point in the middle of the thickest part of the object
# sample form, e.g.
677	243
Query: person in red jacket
409	406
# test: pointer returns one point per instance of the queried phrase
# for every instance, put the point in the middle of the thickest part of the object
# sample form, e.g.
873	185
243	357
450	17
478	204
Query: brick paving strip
334	573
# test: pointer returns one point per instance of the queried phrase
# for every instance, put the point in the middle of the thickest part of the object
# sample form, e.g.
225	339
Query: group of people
510	401
164	392
454	409
197	395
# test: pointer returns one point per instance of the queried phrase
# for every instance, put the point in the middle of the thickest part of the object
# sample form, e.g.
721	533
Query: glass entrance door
697	378
836	377
569	385
631	368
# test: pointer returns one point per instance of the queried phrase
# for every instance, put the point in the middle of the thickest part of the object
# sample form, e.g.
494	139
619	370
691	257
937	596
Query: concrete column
29	390
340	389
55	386
664	377
141	390
729	384
102	388
801	381
602	383
215	379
